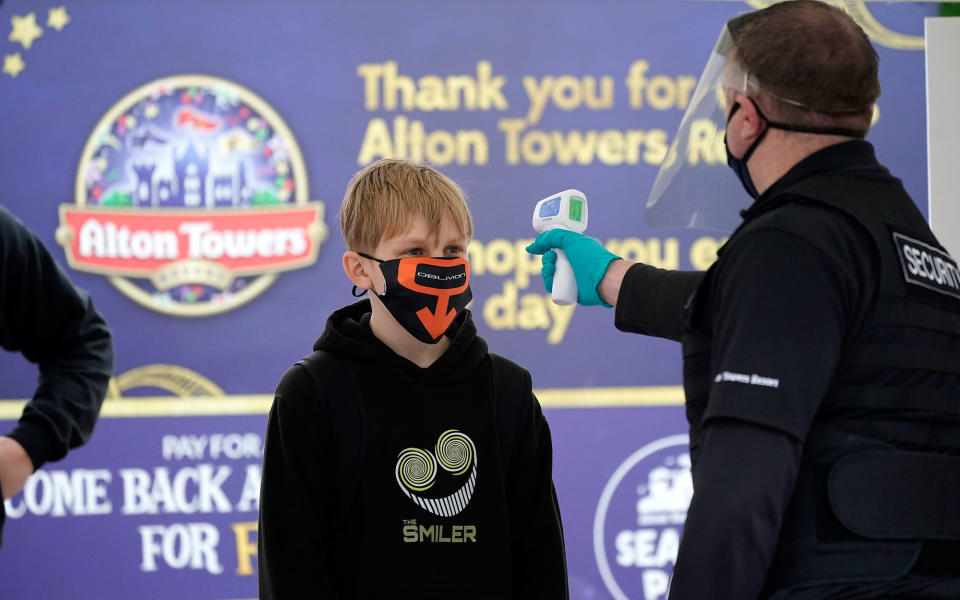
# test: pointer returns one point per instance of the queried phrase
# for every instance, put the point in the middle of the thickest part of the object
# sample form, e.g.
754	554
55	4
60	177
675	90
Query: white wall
943	128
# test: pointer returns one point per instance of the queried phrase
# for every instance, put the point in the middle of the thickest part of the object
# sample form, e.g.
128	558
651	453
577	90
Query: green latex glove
587	256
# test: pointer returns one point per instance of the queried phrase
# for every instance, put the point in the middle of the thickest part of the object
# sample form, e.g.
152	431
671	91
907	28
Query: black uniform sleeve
742	483
539	556
781	311
52	323
781	308
651	300
296	502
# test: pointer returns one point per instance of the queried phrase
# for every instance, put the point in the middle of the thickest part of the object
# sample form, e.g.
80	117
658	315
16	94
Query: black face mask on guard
739	165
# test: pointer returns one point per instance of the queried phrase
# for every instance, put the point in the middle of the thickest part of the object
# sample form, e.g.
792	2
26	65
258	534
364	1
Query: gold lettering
536	148
512	129
500	310
590	97
532	313
500	256
660	92
703	252
562	315
376	142
465	85
246	546
610	150
566	93
573	144
656	147
410	140
538	91
371	74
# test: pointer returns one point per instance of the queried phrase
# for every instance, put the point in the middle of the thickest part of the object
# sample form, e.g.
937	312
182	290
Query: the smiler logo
639	519
191	195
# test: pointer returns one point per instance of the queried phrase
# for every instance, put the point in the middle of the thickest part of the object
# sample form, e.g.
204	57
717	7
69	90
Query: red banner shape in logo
139	243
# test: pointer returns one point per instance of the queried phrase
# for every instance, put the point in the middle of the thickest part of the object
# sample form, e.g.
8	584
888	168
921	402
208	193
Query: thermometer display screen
550	208
576	209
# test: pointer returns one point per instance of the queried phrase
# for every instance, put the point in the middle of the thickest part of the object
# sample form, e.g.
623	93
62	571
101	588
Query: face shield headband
738	80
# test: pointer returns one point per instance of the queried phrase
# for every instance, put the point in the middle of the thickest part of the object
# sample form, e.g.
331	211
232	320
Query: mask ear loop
363	292
746	155
771	124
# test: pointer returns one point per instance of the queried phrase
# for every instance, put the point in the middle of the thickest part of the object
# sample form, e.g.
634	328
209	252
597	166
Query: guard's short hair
383	197
810	53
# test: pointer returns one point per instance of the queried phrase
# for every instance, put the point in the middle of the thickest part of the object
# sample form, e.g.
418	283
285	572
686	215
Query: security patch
928	267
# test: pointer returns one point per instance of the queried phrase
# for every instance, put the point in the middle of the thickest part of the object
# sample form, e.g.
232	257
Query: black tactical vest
878	492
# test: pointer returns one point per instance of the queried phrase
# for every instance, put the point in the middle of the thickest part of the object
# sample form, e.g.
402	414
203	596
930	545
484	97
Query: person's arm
52	323
650	300
780	309
539	555
743	481
296	501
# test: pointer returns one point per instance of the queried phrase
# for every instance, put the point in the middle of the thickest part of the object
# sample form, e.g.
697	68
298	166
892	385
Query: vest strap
898	313
875	495
887	398
905	357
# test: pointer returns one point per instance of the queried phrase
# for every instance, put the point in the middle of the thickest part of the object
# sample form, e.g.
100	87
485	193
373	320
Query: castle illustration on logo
189	186
191	194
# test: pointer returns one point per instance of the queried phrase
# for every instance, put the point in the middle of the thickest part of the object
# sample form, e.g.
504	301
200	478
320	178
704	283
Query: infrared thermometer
566	210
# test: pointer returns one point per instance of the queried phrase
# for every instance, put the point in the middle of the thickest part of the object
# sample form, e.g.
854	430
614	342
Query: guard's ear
751	124
356	269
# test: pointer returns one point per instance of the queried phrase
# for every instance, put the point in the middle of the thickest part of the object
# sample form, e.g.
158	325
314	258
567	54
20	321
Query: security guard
822	349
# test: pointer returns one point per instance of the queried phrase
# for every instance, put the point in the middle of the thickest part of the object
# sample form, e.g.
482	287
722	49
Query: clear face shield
695	187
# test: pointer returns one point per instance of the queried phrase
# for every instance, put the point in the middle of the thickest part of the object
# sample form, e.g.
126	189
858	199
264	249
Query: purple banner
185	162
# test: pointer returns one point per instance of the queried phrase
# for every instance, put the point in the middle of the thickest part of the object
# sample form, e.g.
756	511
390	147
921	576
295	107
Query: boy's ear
354	268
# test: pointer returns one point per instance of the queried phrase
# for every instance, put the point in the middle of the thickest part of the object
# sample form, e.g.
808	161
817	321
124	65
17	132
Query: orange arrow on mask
436	321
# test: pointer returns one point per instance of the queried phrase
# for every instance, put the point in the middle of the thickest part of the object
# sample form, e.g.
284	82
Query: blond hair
383	197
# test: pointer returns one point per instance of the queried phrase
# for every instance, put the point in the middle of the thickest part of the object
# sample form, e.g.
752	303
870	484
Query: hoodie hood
348	335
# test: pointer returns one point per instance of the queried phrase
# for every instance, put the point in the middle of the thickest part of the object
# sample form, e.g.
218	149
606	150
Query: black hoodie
432	483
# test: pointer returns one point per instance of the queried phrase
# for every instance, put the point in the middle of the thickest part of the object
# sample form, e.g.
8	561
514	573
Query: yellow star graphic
25	30
13	64
58	18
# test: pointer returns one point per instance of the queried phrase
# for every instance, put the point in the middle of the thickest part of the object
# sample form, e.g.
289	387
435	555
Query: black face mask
739	165
424	294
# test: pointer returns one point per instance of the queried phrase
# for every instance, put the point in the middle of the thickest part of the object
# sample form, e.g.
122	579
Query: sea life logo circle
639	519
191	195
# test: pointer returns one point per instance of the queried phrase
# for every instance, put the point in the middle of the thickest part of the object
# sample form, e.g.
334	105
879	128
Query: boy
371	480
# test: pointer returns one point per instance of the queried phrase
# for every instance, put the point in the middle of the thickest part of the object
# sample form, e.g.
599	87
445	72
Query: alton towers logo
191	195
